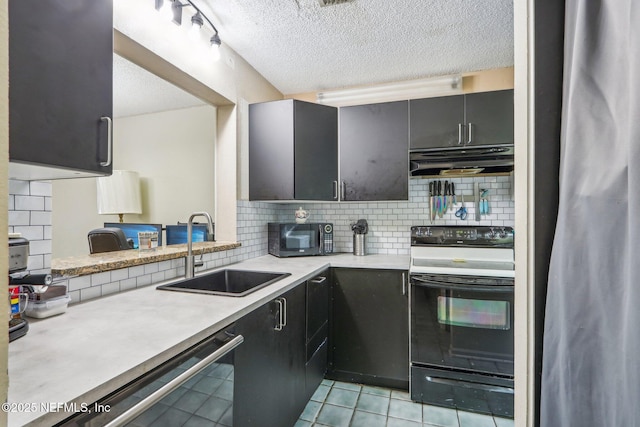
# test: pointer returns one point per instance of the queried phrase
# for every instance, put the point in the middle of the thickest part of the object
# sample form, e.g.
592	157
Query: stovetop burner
462	250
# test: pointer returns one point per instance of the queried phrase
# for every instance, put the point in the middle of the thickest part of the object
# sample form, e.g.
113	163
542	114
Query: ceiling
137	91
301	47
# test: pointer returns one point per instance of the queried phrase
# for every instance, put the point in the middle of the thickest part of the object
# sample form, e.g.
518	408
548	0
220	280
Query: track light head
215	46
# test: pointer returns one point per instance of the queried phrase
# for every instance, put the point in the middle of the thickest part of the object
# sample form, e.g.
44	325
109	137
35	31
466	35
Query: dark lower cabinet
369	327
270	374
317	331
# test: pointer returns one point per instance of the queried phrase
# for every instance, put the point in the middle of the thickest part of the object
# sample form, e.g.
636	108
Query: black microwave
287	239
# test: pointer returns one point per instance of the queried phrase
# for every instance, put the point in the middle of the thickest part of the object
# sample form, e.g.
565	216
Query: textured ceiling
301	47
137	91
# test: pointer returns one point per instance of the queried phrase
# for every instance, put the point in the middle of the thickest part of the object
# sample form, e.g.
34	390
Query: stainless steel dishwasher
196	387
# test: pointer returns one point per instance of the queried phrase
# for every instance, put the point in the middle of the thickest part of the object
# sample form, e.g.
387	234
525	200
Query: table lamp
119	194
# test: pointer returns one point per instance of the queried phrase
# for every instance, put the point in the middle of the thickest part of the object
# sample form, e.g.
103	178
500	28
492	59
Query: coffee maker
18	298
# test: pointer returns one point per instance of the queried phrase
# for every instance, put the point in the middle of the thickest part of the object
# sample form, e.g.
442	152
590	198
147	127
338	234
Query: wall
4	179
389	231
252	232
390	222
231	78
30	206
174	153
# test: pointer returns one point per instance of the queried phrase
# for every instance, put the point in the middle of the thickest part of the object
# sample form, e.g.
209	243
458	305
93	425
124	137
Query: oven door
463	323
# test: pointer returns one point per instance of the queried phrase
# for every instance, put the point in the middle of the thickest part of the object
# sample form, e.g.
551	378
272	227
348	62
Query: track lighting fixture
172	10
215	46
196	25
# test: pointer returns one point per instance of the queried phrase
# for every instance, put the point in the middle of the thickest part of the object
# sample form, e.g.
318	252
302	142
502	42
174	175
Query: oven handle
418	281
465	384
156	396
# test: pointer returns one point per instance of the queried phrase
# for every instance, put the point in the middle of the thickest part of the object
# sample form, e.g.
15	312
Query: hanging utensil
484	203
431	207
445	196
453	193
462	211
440	201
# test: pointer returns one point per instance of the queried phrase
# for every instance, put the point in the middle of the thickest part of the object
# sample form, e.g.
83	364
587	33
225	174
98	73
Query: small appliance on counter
18	300
360	230
292	239
32	295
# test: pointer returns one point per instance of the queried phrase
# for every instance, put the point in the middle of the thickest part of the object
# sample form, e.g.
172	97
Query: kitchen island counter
98	346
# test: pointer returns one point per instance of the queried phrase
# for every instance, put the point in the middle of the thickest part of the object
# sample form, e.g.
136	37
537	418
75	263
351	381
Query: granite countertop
106	261
101	345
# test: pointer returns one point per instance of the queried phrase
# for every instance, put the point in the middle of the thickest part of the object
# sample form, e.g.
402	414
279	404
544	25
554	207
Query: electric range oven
461	318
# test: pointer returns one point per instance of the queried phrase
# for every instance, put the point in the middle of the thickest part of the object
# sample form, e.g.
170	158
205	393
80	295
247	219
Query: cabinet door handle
470	133
318	279
460	132
343	190
404	283
279	325
335	190
109	140
284	303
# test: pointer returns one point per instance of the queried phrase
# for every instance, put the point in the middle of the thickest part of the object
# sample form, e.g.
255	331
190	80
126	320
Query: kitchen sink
229	282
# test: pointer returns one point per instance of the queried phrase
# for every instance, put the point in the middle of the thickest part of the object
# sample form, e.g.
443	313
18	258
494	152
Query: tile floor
339	404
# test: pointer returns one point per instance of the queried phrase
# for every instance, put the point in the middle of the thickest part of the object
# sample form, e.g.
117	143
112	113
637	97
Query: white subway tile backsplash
100	278
77	283
136	271
110	288
151	268
18	187
30	206
40	188
90	293
127	284
117	275
29	203
40	218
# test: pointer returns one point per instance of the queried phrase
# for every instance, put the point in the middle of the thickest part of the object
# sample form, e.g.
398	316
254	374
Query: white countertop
98	346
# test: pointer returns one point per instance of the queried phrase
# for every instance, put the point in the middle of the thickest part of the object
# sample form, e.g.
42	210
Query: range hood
462	160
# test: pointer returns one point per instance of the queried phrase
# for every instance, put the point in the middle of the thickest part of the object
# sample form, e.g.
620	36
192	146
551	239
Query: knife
440	201
453	193
431	184
445	205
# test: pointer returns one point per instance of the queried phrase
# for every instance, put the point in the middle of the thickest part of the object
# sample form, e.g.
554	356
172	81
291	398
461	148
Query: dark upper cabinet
269	377
436	122
369	327
293	151
60	86
489	117
374	142
484	118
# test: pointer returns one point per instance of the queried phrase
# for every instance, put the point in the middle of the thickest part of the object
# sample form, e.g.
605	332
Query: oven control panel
425	235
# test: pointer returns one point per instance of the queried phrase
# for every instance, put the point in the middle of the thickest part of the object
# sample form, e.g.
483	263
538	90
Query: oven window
474	313
300	238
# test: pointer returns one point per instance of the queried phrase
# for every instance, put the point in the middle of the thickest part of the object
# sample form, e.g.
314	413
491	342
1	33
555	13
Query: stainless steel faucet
189	266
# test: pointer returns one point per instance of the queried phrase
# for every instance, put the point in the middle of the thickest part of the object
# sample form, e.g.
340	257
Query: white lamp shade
119	193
